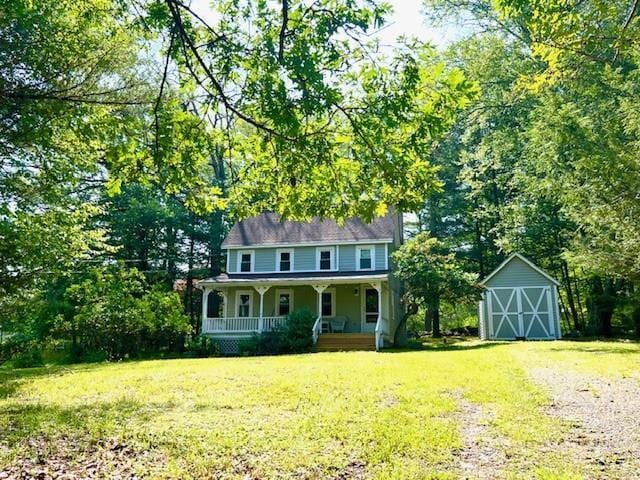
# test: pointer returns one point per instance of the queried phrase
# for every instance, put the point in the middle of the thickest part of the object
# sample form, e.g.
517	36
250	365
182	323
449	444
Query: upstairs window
325	258
285	260
365	258
245	261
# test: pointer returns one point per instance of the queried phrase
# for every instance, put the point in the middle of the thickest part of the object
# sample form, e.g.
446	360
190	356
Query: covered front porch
344	305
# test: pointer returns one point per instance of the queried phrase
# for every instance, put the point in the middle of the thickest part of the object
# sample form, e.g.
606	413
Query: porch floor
336	342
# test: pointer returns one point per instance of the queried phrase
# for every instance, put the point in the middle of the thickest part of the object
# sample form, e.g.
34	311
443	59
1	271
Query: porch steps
338	342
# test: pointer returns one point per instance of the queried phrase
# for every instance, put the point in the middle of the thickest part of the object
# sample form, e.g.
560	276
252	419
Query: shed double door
520	312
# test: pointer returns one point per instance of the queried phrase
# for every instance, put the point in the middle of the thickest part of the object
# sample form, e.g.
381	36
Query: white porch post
378	287
261	290
225	301
205	303
320	287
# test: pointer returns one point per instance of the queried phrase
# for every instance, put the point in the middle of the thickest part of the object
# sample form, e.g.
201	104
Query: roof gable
518	258
268	229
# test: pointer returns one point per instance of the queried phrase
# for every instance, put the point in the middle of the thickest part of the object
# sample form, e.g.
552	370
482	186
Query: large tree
557	118
432	274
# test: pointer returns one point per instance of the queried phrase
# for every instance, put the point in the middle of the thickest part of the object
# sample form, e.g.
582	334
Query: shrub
28	359
201	347
249	346
115	312
297	332
15	346
294	337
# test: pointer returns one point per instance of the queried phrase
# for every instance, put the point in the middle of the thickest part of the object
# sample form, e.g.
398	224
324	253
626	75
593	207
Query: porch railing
381	332
317	327
242	324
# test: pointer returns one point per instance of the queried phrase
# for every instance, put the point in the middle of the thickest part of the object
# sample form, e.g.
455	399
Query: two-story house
341	273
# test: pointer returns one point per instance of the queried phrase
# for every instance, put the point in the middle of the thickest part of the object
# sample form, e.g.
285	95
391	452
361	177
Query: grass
326	415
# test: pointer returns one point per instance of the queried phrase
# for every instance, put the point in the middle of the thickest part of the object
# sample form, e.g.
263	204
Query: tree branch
632	13
283	30
174	7
159	98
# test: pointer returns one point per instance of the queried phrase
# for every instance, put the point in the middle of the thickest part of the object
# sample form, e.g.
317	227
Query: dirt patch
389	400
482	455
604	420
354	470
72	459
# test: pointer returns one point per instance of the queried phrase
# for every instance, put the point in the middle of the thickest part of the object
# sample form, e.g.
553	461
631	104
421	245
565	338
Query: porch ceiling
294	279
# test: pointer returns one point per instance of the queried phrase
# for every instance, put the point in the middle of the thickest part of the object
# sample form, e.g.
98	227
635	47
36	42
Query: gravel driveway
604	416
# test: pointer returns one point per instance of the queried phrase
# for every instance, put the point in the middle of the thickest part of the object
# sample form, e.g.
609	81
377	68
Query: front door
370	310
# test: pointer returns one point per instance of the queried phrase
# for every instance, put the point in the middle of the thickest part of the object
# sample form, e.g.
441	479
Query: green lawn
330	415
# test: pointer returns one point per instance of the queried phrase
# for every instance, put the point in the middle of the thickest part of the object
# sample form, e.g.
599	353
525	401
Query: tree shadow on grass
445	347
31	420
75	439
597	345
12	378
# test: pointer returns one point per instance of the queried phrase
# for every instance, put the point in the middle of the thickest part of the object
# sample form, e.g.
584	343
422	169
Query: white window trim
372	249
239	260
237	305
386	256
332	291
280	291
331	249
284	250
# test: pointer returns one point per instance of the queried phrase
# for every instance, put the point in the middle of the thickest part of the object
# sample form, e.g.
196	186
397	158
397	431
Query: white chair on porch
337	324
325	325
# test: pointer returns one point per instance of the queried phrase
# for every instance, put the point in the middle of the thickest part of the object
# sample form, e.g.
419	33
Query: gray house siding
379	256
265	259
347	258
304	258
233	260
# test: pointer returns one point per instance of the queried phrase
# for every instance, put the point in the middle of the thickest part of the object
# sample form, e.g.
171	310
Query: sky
407	19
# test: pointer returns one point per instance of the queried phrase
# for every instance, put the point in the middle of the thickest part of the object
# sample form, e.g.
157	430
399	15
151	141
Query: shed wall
517	274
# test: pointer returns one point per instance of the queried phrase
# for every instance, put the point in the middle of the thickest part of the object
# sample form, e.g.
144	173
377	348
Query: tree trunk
565	313
400	335
433	316
566	281
171	255
576	287
428	324
602	304
189	285
636	320
478	239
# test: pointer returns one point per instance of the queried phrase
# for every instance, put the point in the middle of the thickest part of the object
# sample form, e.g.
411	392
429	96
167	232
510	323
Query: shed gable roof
269	229
526	261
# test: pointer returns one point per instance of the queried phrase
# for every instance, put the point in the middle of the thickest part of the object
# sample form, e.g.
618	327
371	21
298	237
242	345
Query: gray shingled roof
267	229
